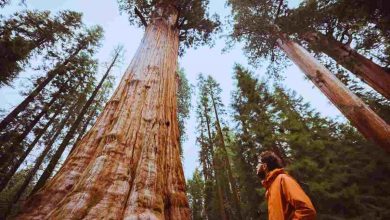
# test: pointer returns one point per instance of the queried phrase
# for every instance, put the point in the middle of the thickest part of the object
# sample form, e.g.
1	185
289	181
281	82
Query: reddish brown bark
370	72
128	165
360	115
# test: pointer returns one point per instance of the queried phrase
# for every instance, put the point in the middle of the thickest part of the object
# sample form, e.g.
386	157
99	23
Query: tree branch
182	23
278	11
139	14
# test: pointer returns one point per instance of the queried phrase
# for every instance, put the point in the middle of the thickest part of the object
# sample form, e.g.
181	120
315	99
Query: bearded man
286	199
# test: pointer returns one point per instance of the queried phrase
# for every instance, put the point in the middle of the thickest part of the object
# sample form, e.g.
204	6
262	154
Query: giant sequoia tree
128	165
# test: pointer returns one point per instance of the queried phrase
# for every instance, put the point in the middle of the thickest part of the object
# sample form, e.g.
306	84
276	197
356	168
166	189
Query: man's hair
271	159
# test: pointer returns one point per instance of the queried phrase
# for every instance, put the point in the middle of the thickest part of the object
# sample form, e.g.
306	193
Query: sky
212	61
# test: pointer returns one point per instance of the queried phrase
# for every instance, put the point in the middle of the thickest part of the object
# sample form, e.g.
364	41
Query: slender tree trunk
43	112
221	200
370	72
128	165
72	130
11	144
7	173
216	170
50	76
207	177
231	178
38	162
360	115
86	124
49	169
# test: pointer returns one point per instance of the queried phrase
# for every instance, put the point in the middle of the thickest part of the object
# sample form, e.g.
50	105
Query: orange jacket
286	199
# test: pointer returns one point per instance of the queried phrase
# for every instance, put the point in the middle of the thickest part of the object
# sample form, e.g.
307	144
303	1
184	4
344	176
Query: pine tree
332	27
29	32
221	190
75	125
255	132
216	103
215	199
86	42
183	105
195	193
14	137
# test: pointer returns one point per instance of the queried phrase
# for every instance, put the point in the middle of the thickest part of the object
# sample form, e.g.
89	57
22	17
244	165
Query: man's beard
261	174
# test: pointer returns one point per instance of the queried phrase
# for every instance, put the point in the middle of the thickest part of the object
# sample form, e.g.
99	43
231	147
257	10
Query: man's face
261	170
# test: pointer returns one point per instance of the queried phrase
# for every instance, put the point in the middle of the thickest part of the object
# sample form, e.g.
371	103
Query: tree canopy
193	22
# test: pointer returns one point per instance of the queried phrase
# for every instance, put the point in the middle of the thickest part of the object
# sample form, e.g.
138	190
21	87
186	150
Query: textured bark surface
370	72
361	116
128	165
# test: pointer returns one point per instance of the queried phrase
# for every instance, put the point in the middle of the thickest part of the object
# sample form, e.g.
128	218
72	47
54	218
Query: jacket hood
271	177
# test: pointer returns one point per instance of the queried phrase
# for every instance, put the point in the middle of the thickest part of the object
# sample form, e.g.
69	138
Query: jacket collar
271	177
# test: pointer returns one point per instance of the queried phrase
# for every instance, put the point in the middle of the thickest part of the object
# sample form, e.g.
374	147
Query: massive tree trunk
128	165
360	115
232	180
370	72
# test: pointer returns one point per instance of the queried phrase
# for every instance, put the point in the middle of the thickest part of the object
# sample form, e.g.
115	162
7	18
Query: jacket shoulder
285	176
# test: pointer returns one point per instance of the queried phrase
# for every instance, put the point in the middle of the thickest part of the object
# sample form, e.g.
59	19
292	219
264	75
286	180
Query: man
286	199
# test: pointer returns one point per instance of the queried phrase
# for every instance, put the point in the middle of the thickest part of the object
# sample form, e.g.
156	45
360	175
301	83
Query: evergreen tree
183	105
29	32
359	24
195	193
323	155
85	42
214	154
74	83
73	128
252	104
